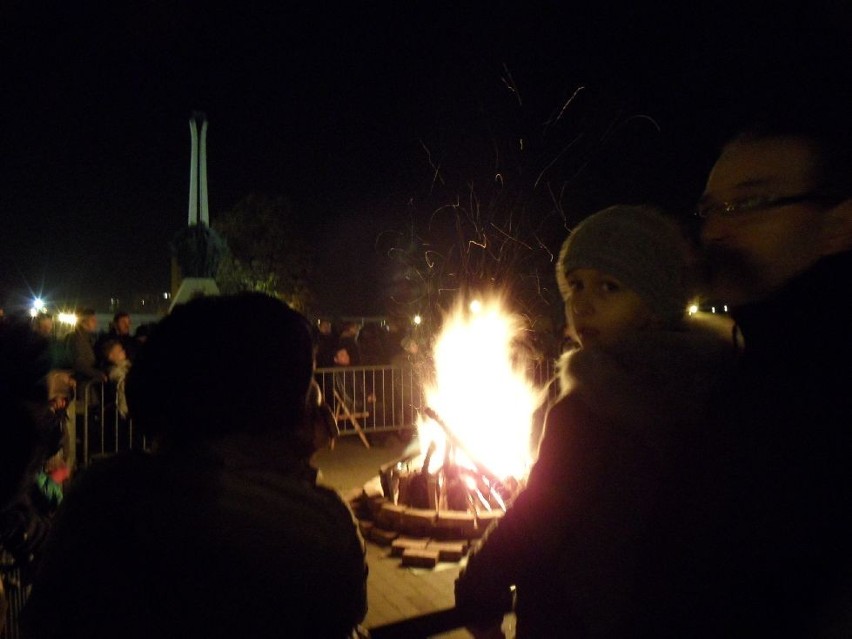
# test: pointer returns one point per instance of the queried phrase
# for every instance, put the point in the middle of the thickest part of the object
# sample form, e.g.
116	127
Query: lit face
122	325
89	324
44	326
748	254
341	357
116	354
602	311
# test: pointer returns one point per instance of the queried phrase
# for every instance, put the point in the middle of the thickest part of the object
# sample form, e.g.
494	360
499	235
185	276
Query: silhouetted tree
266	250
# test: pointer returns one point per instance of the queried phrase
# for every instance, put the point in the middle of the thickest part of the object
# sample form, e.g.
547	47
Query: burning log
419	485
493	481
452	501
389	476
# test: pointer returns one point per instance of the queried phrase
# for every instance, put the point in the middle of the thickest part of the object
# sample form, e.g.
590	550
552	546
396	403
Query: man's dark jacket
775	547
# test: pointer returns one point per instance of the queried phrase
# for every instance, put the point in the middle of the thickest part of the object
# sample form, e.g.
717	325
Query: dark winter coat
593	542
778	543
229	539
84	359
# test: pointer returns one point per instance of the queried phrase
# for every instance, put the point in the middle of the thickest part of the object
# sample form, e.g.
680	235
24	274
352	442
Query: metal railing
374	398
14	596
364	399
101	428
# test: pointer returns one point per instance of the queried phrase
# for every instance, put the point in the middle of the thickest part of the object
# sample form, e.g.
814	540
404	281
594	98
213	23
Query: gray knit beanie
638	246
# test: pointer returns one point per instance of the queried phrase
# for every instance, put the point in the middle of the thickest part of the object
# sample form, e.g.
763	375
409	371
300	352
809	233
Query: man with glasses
770	212
776	236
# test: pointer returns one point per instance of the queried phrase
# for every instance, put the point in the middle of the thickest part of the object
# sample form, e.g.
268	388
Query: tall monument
196	249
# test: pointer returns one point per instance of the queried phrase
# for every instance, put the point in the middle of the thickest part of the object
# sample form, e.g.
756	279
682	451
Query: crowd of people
689	482
364	344
221	528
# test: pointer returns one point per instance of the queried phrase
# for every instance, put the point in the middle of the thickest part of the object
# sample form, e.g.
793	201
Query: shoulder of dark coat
651	375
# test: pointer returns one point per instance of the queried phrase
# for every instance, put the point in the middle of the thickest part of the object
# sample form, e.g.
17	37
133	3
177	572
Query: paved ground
394	592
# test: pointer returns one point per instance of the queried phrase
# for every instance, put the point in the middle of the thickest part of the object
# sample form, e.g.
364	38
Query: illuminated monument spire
196	249
198	172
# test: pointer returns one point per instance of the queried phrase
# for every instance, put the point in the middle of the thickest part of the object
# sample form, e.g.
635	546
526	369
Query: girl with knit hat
595	545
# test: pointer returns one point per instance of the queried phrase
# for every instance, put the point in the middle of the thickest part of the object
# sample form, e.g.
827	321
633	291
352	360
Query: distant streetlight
417	320
67	318
37	307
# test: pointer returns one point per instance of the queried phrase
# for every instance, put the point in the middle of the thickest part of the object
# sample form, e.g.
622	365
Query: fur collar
652	377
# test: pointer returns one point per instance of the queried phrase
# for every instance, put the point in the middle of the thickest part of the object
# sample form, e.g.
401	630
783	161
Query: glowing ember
481	392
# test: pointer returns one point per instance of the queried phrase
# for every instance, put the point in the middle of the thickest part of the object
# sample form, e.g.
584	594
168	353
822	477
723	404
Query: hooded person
591	544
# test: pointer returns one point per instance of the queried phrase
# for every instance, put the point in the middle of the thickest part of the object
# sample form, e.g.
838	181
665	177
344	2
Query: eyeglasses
751	204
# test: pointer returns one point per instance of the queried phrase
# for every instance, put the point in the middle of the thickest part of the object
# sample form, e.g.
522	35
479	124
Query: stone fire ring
421	536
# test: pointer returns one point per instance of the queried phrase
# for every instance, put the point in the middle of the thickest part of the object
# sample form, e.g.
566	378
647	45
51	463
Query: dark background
347	108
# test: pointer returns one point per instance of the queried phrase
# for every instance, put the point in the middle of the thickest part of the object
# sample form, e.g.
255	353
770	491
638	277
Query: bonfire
475	427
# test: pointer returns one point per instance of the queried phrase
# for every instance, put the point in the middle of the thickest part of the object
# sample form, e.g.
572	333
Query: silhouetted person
777	248
326	342
348	339
29	435
82	342
119	329
222	530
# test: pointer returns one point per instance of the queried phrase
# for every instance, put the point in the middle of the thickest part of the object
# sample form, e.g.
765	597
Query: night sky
346	109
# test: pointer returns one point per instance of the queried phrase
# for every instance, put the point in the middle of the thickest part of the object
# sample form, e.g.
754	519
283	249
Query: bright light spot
38	304
712	309
418	320
482	392
33	311
693	309
67	318
475	306
166	296
725	307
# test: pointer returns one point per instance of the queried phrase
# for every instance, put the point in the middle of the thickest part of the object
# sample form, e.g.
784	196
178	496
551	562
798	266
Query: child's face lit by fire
601	310
116	354
341	358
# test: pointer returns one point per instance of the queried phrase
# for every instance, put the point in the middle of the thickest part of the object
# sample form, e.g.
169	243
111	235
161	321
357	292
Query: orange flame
481	391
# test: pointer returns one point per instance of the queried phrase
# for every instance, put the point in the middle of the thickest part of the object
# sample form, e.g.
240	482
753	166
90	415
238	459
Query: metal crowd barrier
369	399
389	398
101	430
372	398
13	596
